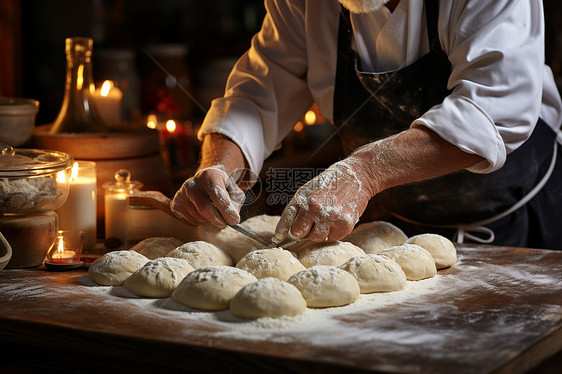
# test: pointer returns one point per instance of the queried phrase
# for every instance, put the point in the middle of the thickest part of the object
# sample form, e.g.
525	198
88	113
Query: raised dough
236	244
326	286
113	268
331	254
156	247
268	297
416	262
375	273
212	287
442	249
159	277
375	237
200	254
272	262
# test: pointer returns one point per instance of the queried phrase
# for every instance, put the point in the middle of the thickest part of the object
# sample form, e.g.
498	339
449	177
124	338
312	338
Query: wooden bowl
5	252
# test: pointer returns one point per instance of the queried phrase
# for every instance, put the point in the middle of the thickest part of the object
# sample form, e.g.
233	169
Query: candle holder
66	251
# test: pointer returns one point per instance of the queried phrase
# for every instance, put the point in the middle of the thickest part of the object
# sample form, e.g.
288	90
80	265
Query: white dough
268	297
375	273
416	262
332	254
442	249
156	247
375	237
159	277
236	244
212	287
113	268
271	262
326	286
200	254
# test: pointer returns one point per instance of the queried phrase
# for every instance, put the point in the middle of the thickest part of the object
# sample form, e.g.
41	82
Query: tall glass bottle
78	113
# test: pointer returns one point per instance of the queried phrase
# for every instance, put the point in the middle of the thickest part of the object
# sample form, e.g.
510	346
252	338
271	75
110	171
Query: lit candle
79	210
108	99
61	255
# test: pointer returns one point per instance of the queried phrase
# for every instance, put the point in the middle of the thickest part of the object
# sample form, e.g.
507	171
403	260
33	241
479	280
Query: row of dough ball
211	288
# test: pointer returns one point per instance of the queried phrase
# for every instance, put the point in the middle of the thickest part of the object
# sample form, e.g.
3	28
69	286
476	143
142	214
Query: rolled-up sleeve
497	54
266	92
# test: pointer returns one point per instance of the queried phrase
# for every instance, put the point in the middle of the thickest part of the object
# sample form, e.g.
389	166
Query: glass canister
78	112
116	206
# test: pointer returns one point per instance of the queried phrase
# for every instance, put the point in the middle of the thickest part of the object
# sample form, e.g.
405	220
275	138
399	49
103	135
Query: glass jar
116	205
78	112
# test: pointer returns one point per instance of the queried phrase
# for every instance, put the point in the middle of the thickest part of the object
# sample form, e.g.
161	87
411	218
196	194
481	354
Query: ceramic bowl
17	119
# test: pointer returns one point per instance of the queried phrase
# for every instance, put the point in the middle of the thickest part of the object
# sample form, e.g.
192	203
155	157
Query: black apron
372	106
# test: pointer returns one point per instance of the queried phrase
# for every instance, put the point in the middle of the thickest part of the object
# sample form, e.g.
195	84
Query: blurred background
137	41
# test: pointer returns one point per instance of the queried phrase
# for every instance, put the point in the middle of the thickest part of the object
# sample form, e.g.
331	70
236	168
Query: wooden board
498	310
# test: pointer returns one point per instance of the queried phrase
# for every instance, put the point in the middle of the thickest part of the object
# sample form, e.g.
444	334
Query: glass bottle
78	113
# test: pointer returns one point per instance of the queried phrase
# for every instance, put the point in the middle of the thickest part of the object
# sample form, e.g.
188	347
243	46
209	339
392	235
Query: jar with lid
78	112
116	205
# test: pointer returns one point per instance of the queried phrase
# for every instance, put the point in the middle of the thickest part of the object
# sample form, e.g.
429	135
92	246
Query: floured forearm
413	155
218	149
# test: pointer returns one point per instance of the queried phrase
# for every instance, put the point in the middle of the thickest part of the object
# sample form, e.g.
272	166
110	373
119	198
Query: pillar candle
79	210
108	101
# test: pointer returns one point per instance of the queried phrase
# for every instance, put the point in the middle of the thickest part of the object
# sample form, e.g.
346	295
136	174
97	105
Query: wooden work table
498	309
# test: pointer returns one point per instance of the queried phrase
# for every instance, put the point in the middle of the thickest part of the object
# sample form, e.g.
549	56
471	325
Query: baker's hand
209	196
327	207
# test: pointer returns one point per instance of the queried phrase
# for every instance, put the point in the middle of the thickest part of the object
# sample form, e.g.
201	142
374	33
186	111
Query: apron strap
465	230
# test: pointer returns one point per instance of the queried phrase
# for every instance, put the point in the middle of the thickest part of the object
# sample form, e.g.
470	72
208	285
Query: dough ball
375	237
442	249
268	297
159	277
113	268
200	254
416	262
326	286
154	248
271	262
375	273
236	244
212	287
331	254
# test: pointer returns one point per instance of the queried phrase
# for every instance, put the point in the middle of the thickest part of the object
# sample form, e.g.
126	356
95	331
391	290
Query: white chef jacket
499	82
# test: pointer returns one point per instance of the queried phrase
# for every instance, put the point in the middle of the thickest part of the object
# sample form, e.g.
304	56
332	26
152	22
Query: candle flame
61	177
74	172
299	126
171	125
105	88
60	248
310	117
80	77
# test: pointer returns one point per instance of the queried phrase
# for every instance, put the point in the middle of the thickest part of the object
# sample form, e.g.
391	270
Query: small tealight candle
66	250
108	99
